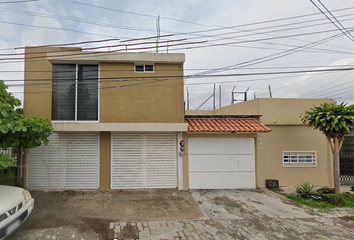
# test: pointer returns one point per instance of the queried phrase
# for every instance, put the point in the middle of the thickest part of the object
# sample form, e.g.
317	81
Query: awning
231	125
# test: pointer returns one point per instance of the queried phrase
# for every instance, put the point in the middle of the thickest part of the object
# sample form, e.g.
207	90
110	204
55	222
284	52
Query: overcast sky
250	37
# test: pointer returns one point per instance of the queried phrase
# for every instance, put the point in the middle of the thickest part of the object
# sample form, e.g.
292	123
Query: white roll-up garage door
45	165
221	163
69	161
143	161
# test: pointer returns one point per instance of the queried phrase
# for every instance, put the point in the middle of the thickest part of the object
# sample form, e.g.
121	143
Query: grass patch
311	202
348	201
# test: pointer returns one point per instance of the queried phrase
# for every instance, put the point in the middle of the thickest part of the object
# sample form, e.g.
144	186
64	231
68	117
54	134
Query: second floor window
75	92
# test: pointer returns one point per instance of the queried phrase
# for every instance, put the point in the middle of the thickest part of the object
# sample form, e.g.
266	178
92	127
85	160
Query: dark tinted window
139	68
87	93
65	87
149	68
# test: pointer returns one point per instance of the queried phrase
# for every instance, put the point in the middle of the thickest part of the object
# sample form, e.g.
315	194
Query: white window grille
299	159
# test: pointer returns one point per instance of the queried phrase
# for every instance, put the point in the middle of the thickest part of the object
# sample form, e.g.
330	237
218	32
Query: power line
316	89
345	32
54	28
90	22
269	57
139	14
113	79
20	1
334	90
208	45
336	19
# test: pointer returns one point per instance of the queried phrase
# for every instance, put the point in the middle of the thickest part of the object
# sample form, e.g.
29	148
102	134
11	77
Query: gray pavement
204	214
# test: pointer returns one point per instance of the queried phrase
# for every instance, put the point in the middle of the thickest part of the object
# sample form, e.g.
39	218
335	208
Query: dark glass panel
63	91
87	94
139	68
149	68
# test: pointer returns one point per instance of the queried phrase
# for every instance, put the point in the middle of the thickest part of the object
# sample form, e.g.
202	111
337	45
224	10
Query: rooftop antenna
270	91
158	33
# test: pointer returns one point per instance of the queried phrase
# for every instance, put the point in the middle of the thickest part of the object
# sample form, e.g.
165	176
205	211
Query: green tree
335	121
17	130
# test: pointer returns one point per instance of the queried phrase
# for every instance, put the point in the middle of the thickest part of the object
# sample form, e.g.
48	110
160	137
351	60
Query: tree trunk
336	165
336	172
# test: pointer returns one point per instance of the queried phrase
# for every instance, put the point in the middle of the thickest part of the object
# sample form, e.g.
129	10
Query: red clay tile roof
225	125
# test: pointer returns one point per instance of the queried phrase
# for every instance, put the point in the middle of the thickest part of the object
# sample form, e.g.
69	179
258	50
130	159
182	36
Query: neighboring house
119	122
117	118
222	156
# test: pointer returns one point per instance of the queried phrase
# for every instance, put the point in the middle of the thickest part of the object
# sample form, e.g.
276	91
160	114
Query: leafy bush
8	177
326	190
352	188
334	199
307	190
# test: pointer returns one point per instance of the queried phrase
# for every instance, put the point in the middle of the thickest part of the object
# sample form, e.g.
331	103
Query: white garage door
69	161
221	163
143	161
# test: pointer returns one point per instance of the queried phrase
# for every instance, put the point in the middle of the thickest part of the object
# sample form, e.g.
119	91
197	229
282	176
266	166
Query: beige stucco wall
151	100
286	110
105	160
292	138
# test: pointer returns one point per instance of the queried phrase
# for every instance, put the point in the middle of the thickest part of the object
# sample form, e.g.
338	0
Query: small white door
221	163
126	161
82	161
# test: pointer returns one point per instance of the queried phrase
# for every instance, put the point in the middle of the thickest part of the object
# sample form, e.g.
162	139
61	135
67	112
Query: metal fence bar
346	157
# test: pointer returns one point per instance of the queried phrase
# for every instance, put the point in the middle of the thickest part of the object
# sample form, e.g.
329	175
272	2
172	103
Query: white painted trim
299	164
179	163
119	127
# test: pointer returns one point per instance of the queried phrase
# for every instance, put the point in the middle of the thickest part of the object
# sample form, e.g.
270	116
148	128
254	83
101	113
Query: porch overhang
119	127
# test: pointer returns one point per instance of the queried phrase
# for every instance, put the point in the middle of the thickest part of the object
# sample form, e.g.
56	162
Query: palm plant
335	121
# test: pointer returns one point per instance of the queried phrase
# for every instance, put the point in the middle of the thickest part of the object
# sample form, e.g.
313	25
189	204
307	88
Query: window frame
76	94
144	67
313	163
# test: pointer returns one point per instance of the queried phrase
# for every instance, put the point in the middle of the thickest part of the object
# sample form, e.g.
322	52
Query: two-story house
117	118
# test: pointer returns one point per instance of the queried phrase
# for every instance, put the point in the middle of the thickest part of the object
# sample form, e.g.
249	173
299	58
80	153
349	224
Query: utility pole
158	33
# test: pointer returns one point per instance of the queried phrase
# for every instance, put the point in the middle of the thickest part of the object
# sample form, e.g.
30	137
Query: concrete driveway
173	214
